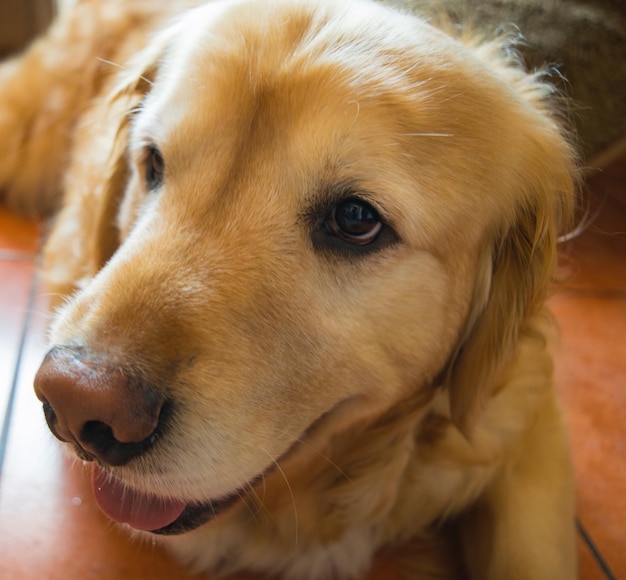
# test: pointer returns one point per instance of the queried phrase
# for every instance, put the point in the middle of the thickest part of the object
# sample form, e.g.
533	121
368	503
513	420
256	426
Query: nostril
98	438
52	420
49	414
97	434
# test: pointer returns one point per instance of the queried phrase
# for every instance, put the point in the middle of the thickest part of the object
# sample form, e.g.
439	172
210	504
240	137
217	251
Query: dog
301	263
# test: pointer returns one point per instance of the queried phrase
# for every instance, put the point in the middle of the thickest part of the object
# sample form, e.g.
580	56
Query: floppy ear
85	233
123	104
519	257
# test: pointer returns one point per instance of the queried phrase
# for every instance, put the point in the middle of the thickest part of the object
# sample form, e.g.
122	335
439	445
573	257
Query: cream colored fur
392	397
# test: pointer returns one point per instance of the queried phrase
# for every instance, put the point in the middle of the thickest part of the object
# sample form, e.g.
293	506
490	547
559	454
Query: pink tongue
122	504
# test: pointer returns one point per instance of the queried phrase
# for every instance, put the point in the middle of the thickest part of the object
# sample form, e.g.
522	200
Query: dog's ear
122	104
518	264
85	233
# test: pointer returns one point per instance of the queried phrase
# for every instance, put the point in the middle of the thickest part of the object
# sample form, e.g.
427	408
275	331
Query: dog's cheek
414	316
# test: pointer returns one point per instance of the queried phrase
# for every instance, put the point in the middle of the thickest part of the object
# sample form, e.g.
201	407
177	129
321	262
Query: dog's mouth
151	513
159	515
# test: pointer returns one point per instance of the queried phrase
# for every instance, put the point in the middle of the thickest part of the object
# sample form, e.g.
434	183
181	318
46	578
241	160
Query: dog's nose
105	412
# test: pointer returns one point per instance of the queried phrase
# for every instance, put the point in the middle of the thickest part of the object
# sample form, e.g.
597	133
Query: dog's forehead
226	57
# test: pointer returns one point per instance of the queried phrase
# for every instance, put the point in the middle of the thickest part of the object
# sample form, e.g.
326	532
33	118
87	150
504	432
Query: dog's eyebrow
323	198
145	131
140	137
326	194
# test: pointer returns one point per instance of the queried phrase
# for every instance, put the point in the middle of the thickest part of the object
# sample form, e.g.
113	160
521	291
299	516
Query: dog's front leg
524	527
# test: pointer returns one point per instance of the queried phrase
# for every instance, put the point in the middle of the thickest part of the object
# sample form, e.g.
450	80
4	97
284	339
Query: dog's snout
108	414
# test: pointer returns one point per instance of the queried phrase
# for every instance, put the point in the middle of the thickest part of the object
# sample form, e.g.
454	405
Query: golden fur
396	392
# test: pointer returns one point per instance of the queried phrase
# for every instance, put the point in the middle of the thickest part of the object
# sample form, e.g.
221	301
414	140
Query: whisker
123	68
113	64
293	498
586	222
308	445
358	110
259	505
146	80
427	134
250	505
51	295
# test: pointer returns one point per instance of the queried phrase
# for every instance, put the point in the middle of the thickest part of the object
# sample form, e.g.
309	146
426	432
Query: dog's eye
155	167
355	221
348	227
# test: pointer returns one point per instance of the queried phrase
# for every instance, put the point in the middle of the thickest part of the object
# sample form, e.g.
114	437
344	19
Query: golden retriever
305	246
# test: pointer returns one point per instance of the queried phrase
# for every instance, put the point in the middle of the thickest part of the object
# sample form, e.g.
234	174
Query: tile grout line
16	256
608	573
8	412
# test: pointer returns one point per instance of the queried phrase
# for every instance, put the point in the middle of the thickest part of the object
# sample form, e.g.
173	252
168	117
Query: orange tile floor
50	528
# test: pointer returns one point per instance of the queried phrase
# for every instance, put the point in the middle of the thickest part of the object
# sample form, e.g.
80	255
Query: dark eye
155	168
354	221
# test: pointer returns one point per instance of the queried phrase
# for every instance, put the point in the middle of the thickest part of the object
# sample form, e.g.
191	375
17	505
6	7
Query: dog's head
324	210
